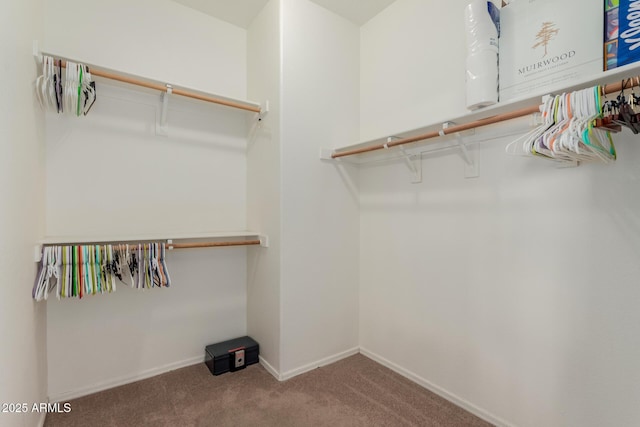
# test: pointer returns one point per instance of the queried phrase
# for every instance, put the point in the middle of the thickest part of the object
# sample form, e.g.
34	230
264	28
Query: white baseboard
269	368
322	362
479	412
126	379
105	385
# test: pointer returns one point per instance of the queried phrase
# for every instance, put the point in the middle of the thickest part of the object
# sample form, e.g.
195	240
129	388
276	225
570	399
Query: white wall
132	181
319	201
23	375
157	39
263	185
109	174
514	293
412	67
106	340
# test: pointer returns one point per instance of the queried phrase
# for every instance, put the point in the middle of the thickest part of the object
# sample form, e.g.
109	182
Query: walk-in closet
317	175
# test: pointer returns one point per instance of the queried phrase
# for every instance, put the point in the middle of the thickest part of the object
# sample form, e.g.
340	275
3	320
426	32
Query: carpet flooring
352	392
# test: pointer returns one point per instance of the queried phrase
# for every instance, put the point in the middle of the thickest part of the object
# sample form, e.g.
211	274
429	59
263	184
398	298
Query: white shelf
608	77
60	240
215	235
252	104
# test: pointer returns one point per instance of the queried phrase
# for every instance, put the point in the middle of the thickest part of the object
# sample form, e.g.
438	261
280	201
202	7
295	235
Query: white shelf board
134	76
602	78
52	240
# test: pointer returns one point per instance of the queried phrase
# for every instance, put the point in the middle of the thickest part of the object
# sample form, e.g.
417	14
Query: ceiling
242	12
357	11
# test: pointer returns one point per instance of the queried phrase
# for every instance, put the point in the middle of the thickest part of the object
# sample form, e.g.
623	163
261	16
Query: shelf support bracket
464	152
468	154
264	110
326	153
413	162
36	52
37	253
161	126
264	240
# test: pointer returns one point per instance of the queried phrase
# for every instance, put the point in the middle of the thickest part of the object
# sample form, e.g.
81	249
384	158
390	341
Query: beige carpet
353	392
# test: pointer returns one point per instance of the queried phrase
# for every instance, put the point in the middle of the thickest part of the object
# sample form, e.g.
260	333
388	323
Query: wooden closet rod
210	244
606	89
163	88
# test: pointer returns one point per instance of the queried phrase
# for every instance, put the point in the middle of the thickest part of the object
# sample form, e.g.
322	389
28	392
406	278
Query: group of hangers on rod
77	271
621	111
577	127
71	92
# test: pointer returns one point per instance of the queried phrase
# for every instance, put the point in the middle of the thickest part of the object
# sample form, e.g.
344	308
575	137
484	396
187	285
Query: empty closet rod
210	244
163	88
606	89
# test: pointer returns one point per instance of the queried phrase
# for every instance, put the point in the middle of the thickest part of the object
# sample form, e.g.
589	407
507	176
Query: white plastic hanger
568	132
522	146
51	86
38	85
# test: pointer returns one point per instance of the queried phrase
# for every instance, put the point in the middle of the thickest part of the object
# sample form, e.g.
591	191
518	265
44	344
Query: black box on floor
231	355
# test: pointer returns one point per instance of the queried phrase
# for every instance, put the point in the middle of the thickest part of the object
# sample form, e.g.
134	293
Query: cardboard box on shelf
544	43
621	32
